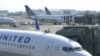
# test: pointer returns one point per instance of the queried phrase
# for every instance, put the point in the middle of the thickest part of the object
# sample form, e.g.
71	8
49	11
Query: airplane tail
31	13
47	11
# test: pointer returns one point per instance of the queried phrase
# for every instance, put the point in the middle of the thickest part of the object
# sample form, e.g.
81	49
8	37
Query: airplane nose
86	53
80	53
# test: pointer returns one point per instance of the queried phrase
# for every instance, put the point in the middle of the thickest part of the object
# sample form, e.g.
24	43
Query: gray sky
18	5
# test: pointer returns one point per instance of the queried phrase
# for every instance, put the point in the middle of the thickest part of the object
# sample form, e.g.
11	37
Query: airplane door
49	48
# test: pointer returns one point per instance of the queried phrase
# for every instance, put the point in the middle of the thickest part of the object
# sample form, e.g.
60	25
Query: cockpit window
70	49
78	49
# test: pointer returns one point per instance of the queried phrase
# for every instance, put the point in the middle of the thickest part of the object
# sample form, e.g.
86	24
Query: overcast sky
18	5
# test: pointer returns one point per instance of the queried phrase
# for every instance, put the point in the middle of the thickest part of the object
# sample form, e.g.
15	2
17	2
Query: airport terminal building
4	13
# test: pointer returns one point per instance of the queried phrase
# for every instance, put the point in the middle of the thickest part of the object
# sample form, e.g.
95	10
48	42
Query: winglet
47	11
31	13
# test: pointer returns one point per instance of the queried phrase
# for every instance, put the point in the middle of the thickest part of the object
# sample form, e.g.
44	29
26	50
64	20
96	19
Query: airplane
34	43
6	20
55	19
68	19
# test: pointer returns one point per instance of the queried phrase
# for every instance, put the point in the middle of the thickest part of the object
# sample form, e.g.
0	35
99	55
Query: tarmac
31	27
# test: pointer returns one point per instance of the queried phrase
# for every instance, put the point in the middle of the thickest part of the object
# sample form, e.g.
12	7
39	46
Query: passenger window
8	43
0	42
20	46
30	47
26	46
14	44
11	44
23	46
17	45
5	43
33	47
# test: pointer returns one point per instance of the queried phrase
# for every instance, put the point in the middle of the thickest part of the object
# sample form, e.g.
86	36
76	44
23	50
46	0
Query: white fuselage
58	18
4	20
38	44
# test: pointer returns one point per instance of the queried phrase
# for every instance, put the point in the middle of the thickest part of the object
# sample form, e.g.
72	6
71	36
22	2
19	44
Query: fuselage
5	20
58	18
38	44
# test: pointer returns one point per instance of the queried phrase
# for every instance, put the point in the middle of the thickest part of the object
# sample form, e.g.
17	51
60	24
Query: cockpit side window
78	48
68	49
65	49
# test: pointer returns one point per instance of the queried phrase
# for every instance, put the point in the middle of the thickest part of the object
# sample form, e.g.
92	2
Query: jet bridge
88	36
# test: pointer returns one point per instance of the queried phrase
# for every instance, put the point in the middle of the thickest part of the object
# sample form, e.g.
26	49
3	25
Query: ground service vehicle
87	36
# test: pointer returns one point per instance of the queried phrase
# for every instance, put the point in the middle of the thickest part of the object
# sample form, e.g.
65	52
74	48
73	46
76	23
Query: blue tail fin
47	11
31	13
